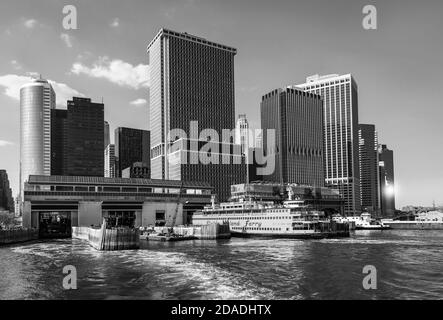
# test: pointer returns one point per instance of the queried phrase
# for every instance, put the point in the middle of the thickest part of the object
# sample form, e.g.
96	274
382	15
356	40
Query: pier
17	236
104	239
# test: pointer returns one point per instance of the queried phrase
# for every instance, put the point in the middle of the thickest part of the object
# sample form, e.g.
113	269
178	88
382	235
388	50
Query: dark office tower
340	123
131	145
192	79
297	117
85	138
387	182
369	173
58	141
6	199
107	134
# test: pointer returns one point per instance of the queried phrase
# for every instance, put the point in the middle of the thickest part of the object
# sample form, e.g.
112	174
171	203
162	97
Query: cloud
138	102
64	92
12	84
115	23
66	39
4	143
16	65
116	71
31	23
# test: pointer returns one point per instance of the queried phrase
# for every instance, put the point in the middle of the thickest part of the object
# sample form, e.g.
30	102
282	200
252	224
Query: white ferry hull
300	236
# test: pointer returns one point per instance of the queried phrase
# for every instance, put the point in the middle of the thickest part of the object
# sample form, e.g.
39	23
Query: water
409	266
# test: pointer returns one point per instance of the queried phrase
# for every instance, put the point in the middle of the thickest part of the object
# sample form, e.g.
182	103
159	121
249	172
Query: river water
409	266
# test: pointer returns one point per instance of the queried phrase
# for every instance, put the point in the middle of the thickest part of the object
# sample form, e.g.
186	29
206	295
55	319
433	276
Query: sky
398	67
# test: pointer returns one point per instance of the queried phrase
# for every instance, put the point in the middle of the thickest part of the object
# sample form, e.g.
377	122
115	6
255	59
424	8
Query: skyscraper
369	172
387	181
297	118
85	138
192	79
37	99
77	138
131	145
58	141
340	123
107	134
242	133
110	161
6	199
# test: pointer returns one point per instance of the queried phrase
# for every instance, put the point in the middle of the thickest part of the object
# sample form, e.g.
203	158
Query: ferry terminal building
54	204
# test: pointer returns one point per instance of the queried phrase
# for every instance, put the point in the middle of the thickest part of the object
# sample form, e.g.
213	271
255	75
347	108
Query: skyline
122	78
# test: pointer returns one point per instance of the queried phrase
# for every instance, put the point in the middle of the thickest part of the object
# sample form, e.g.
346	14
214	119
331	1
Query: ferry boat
363	222
424	221
291	219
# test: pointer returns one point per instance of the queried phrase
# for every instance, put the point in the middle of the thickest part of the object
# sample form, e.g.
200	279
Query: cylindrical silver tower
36	101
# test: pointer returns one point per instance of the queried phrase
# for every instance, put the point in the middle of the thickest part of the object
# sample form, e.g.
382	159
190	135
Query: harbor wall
17	236
415	226
108	239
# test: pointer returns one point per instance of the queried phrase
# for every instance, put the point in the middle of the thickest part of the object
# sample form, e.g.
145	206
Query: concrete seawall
108	239
17	236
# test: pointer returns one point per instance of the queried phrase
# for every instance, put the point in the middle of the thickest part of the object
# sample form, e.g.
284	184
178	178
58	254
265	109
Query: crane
174	217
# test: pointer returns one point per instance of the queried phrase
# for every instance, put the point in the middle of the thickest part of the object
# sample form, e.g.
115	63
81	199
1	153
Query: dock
108	239
17	236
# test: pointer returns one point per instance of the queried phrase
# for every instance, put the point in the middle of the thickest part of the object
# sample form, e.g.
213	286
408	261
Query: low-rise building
54	204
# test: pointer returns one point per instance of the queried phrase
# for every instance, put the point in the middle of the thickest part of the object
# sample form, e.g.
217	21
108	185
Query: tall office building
340	123
297	118
110	161
107	134
58	141
37	99
369	172
77	138
131	145
242	133
192	79
6	199
387	181
85	138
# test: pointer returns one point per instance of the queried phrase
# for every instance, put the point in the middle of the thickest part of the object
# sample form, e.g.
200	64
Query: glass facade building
369	172
387	181
110	161
341	144
131	146
192	79
37	99
297	118
85	138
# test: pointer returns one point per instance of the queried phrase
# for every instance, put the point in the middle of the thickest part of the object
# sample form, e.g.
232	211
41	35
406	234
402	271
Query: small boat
365	222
